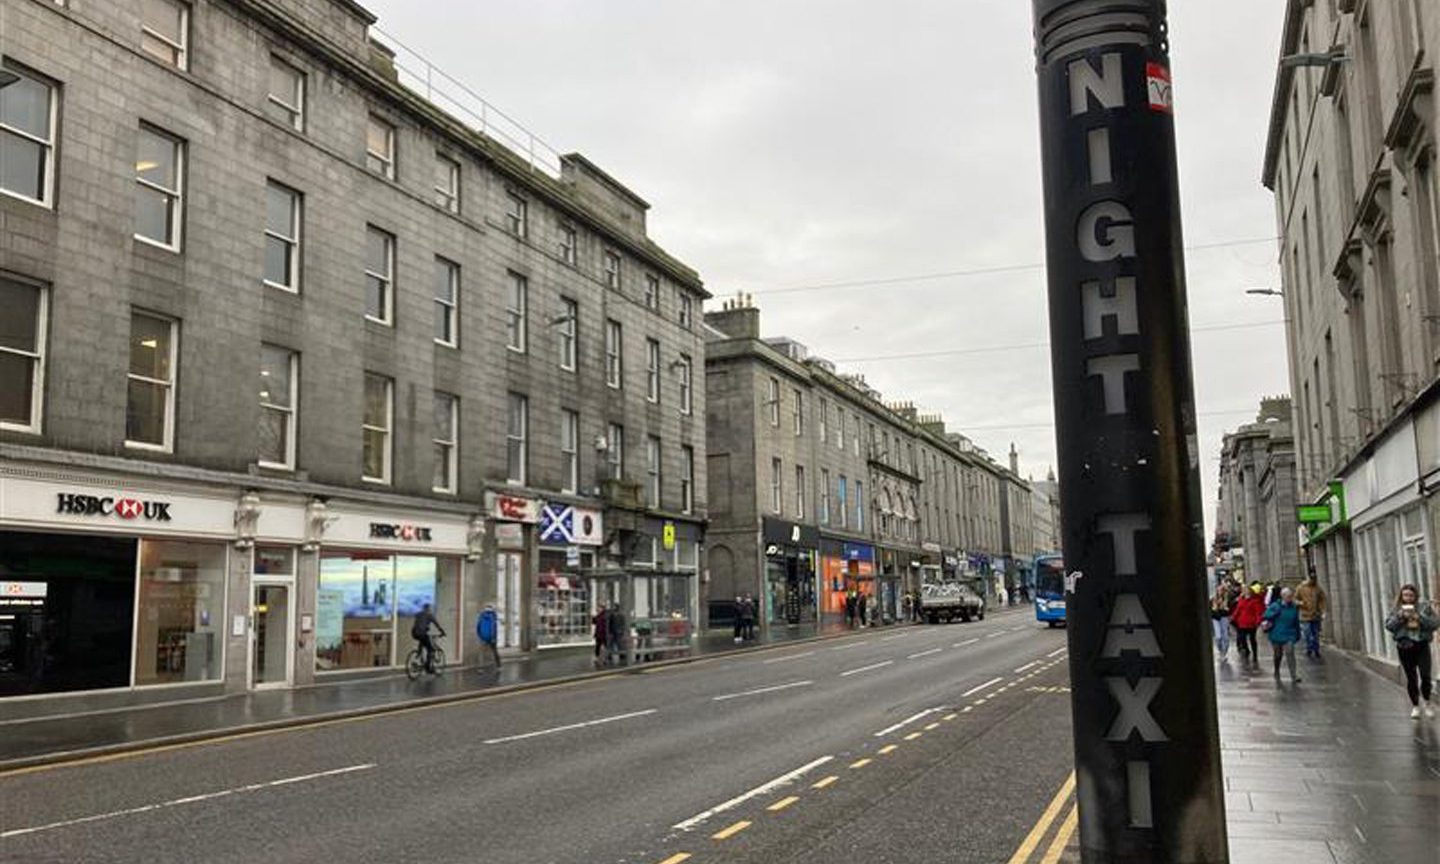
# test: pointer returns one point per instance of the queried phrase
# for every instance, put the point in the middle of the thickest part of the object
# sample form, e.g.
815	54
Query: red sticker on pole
1157	81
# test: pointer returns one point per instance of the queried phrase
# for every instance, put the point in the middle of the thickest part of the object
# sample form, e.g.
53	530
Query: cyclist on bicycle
420	630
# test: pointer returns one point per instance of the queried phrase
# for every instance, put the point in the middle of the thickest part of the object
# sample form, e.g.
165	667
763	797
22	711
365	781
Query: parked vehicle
946	601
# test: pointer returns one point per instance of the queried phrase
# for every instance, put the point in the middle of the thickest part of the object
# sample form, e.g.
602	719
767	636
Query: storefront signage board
561	524
1314	513
430	532
26	590
514	508
509	535
114	508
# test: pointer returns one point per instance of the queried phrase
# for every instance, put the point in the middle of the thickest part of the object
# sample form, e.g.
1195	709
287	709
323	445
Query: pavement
901	744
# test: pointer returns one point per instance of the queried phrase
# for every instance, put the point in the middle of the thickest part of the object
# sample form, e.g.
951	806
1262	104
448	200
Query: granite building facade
296	352
1351	158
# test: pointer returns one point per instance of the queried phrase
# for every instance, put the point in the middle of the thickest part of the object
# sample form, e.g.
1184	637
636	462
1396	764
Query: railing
416	73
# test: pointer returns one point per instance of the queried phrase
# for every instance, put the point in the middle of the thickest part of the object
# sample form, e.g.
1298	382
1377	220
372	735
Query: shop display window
70	626
367	602
180	634
562	600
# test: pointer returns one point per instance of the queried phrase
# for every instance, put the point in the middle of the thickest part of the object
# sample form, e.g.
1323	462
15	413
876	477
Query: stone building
295	351
820	488
1351	158
1257	491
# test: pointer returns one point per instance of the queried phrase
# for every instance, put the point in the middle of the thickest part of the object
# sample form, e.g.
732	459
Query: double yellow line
1062	834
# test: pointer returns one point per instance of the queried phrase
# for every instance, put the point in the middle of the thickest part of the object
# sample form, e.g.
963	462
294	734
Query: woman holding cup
1413	624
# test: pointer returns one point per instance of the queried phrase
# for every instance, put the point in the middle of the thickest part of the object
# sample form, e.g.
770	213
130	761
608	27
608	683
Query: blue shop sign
858	552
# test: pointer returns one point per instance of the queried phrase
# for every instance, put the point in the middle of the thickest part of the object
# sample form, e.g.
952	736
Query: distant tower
1014	460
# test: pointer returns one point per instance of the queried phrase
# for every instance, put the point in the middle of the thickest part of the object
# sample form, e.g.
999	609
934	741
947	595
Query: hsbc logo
123	508
401	531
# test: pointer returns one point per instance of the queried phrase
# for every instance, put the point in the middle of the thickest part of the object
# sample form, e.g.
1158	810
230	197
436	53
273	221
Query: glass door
508	569
270	636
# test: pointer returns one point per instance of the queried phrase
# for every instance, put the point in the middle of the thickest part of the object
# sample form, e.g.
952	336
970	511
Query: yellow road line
731	831
968	709
949	716
913	735
1062	837
1027	846
821	784
931	726
859	763
783	803
677	858
298	727
888	749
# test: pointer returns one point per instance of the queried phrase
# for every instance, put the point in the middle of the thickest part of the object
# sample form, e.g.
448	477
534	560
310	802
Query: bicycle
415	662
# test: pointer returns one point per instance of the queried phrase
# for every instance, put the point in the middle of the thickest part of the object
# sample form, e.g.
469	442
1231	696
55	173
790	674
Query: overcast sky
785	145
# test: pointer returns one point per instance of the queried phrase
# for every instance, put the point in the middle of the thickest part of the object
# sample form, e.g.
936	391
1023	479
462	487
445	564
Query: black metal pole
1147	753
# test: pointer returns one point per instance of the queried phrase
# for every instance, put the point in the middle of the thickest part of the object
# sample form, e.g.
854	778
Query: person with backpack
1249	611
420	632
1413	624
487	630
1220	618
1282	624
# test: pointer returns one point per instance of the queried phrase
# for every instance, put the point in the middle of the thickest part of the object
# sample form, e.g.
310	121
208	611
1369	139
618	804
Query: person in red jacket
1247	616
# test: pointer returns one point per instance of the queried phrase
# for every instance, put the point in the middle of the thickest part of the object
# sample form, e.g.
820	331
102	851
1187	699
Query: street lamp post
1146	740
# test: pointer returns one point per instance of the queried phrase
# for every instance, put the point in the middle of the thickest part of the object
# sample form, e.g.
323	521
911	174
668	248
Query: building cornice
1275	138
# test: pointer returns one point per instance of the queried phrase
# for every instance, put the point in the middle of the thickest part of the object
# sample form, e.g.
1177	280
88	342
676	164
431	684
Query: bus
1050	590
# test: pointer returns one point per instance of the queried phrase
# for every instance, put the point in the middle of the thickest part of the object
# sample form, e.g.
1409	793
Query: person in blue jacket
1282	624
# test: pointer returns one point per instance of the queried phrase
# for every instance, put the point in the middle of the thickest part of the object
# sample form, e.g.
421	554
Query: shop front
564	598
846	568
377	570
895	572
790	551
652	572
513	519
109	584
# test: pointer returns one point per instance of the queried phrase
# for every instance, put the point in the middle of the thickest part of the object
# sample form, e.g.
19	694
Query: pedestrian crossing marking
727	833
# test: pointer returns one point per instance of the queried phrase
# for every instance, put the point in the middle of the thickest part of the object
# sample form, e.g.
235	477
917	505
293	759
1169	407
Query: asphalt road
674	764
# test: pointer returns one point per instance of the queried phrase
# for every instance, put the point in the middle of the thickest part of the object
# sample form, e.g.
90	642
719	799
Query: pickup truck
946	601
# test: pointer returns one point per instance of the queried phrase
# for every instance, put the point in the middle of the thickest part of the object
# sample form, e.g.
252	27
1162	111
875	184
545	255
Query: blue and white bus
1050	589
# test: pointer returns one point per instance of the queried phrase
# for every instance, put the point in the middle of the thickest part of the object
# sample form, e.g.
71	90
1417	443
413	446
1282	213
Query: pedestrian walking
601	621
860	605
1249	611
487	629
1283	620
747	618
1413	624
617	629
1220	619
1311	599
850	610
739	618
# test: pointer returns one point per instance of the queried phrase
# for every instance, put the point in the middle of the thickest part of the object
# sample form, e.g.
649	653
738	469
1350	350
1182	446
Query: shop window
180	632
367	603
274	561
562	599
68	625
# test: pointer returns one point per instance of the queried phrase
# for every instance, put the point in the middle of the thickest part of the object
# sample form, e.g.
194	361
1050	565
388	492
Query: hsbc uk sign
75	504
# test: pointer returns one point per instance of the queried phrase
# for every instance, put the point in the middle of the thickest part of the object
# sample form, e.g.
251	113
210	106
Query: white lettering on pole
1129	629
1098	141
1101	300
1107	85
1106	232
1122	528
1141	813
1112	369
1134	713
